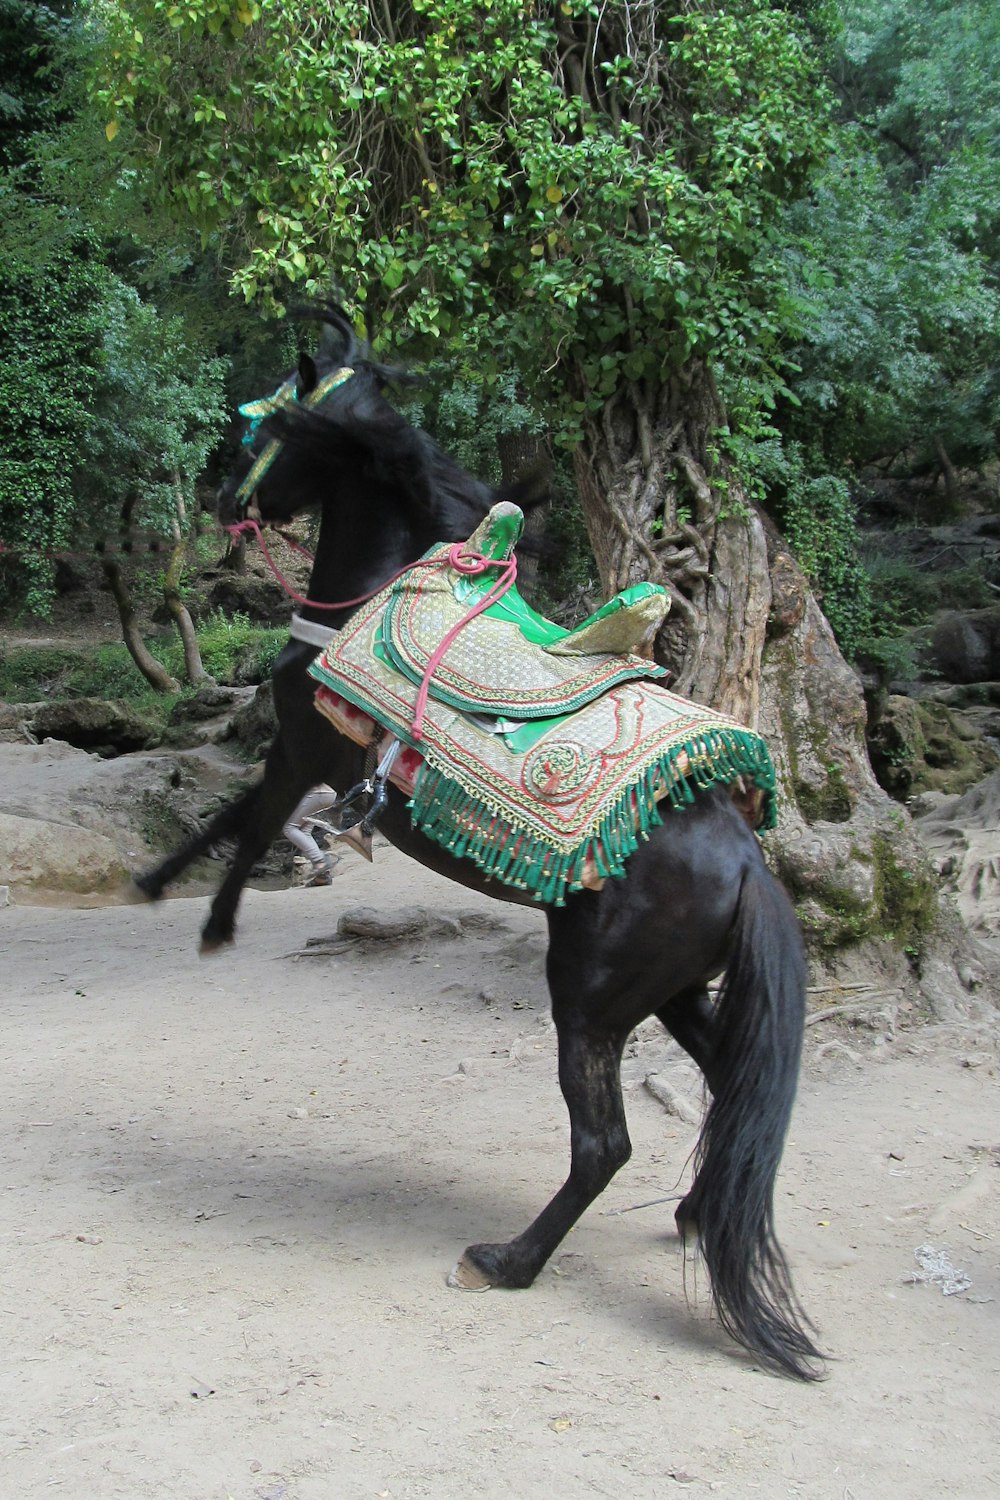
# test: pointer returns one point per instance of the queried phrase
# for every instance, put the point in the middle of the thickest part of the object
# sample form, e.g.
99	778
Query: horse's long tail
759	1021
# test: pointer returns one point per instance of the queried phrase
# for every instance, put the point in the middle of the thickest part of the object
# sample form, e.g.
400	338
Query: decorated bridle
257	412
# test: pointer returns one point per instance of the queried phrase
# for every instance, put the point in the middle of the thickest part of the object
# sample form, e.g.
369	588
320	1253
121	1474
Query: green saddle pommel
627	624
513	662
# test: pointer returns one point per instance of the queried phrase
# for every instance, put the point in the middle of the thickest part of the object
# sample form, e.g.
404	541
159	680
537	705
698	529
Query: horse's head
277	474
329	438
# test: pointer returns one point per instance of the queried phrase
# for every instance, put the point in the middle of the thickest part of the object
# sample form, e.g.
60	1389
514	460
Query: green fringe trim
461	822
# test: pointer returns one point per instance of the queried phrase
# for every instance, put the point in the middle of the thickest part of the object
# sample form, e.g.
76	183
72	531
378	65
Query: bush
36	674
228	643
26	675
902	594
32	673
230	648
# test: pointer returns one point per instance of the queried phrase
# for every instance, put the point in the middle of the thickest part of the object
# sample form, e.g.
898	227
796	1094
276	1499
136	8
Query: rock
396	926
141	802
247	670
254	726
962	835
919	746
965	646
965	695
46	856
207	702
106	725
15	722
258	599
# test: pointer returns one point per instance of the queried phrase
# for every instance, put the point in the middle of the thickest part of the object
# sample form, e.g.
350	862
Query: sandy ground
233	1188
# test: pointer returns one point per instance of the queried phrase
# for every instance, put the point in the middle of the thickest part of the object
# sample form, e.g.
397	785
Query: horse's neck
343	573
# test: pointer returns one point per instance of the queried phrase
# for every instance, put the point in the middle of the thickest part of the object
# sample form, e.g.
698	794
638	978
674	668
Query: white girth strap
311	632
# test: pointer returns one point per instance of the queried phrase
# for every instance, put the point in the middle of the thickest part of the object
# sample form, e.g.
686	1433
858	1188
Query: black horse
697	900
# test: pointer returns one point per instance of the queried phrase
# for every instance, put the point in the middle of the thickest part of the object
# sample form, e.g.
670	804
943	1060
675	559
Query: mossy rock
109	726
254	726
925	746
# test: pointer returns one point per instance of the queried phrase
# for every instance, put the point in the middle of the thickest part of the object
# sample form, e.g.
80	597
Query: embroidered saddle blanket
542	753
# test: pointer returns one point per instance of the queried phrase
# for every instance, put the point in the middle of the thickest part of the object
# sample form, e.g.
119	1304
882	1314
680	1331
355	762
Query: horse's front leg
285	783
590	1078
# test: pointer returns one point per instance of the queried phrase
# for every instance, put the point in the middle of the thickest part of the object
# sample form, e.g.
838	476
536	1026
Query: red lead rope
470	563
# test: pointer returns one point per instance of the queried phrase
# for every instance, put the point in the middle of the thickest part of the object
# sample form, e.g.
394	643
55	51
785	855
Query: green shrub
269	648
107	672
226	643
963	588
902	594
27	675
32	674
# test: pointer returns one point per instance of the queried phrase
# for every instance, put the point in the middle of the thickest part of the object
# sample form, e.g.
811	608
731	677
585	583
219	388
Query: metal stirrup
356	824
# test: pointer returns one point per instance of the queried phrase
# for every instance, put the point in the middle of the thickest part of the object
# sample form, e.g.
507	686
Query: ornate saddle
512	661
540	753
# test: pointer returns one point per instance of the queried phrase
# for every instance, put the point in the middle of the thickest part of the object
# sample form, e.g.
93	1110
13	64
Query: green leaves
895	267
49	330
480	174
156	412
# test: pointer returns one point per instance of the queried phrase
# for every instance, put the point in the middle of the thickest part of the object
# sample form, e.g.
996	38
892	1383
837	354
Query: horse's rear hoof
467	1277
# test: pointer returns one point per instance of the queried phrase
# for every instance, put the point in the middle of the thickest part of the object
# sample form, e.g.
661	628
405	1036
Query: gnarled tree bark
746	635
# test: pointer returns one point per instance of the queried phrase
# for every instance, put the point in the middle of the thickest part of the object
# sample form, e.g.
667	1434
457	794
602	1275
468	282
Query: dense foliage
579	191
156	413
111	387
577	202
896	257
31	89
50	332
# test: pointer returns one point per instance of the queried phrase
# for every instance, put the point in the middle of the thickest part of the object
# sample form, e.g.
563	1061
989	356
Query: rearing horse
697	899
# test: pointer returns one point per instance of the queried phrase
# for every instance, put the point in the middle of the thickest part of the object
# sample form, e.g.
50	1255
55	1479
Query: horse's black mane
356	425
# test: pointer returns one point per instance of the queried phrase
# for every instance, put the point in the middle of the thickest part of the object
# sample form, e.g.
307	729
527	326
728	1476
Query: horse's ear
308	376
338	341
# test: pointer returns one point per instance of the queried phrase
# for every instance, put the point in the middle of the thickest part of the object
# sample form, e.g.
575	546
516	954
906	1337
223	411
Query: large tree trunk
153	671
746	635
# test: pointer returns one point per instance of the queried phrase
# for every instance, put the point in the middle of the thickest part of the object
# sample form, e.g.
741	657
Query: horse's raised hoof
147	887
213	943
467	1277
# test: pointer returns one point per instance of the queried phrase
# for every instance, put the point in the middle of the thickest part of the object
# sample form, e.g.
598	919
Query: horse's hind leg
690	1019
590	1078
227	823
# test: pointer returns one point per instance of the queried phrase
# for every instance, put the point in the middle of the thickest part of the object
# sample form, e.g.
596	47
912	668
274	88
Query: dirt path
232	1191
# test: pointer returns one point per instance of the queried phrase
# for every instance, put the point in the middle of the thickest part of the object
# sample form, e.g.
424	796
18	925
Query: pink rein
469	563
